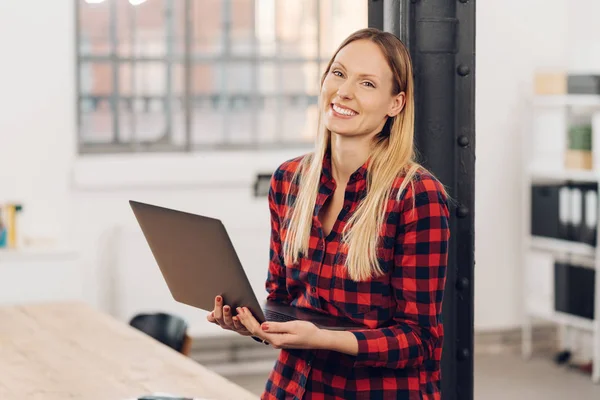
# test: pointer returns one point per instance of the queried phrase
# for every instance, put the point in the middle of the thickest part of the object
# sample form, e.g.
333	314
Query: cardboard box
578	159
550	83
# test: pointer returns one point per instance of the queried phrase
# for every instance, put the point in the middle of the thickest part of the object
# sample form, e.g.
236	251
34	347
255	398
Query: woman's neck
347	155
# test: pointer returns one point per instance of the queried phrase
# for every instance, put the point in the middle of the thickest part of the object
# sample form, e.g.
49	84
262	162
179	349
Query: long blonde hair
392	156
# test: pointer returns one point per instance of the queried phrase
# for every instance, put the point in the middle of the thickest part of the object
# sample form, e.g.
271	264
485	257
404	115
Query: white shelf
576	175
35	253
575	100
565	319
562	246
545	141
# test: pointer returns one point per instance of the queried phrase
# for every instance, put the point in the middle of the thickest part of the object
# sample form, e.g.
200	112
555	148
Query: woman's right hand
222	315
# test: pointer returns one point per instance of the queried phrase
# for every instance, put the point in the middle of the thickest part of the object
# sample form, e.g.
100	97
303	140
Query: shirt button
313	289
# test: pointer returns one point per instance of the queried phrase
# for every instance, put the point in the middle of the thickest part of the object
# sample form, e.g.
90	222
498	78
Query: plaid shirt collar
359	175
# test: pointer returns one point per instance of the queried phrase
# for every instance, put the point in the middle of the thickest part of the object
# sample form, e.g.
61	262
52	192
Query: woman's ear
397	104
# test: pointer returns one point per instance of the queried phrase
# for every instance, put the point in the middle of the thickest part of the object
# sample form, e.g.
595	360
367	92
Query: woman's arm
418	283
275	283
340	341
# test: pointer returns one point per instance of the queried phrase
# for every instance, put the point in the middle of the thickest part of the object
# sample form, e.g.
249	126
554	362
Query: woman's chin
340	129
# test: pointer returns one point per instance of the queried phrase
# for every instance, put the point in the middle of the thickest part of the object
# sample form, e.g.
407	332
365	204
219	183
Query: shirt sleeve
420	258
276	281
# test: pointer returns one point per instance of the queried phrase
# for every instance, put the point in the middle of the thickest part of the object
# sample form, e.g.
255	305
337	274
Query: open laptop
198	262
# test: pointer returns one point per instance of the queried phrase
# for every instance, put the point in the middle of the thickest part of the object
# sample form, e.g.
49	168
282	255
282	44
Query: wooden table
71	351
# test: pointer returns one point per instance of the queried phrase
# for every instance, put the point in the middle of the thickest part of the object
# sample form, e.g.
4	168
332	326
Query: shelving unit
39	275
544	163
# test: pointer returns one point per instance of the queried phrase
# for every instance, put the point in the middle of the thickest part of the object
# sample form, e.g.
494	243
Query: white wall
513	38
37	117
84	202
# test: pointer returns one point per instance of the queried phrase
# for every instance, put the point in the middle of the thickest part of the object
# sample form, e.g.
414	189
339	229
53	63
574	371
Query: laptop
198	262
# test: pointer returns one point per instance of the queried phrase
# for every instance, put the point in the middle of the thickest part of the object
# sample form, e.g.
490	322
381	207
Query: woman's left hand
283	335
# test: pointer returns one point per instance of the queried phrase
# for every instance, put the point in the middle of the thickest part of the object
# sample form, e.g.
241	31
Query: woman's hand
222	316
283	335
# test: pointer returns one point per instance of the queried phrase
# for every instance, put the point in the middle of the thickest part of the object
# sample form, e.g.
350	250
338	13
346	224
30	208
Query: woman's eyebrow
361	75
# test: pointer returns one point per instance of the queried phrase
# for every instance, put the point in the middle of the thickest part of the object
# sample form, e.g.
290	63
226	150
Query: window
192	75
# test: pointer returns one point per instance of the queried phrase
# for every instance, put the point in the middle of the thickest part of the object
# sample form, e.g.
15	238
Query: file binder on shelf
566	211
574	289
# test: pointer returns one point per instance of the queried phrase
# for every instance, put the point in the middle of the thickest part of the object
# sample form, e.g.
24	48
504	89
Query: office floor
503	377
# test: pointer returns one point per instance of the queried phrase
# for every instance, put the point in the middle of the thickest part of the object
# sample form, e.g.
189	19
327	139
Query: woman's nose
345	91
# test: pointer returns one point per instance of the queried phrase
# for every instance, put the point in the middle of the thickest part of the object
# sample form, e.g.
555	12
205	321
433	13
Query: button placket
322	248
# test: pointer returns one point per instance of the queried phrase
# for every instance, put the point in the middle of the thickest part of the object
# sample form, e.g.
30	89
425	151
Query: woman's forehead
363	57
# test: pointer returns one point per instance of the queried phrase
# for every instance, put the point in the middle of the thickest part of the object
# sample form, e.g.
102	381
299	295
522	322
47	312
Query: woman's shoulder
286	170
422	184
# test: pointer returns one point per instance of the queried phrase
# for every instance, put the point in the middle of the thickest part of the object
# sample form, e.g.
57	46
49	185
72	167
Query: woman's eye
337	73
369	84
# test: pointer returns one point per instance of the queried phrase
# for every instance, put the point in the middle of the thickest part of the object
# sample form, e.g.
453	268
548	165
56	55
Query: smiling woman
359	231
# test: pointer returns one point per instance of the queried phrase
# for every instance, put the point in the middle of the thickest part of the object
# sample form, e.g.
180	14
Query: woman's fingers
211	318
227	316
239	327
222	315
219	312
249	322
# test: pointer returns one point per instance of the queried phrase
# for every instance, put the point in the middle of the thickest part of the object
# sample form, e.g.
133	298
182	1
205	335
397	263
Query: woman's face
357	91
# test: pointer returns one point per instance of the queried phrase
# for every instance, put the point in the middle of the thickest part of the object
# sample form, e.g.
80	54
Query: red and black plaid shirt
400	347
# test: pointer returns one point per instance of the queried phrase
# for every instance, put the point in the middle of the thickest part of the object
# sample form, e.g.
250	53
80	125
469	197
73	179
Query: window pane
339	18
207	27
267	78
297	28
242	27
265	27
146	105
241	87
207	118
95	85
177	105
267	120
239	77
299	79
143	28
94	28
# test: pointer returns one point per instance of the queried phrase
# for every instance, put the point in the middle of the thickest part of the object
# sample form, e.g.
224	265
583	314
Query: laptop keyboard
277	317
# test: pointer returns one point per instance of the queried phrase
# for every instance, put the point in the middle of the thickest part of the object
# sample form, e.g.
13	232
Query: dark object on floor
562	357
168	329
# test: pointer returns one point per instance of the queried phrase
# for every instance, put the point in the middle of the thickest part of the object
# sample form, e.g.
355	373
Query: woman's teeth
343	111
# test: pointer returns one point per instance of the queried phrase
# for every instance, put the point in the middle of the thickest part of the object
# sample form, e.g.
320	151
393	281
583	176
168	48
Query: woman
359	231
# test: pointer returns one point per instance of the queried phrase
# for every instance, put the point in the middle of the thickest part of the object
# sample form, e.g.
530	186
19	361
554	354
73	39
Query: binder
575	212
574	287
545	210
588	229
567	211
564	211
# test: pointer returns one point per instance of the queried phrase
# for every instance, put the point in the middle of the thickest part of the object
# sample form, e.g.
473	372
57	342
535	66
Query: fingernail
239	310
219	298
265	327
226	308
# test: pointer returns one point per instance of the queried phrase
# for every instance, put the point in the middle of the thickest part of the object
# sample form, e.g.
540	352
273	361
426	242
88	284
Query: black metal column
440	35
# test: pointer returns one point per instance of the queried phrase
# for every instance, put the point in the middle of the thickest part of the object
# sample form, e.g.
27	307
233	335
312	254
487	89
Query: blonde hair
392	156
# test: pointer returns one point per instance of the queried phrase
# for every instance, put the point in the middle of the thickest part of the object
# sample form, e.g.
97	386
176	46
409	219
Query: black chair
168	329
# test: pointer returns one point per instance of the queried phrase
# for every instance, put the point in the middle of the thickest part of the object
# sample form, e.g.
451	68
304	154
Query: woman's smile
340	111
